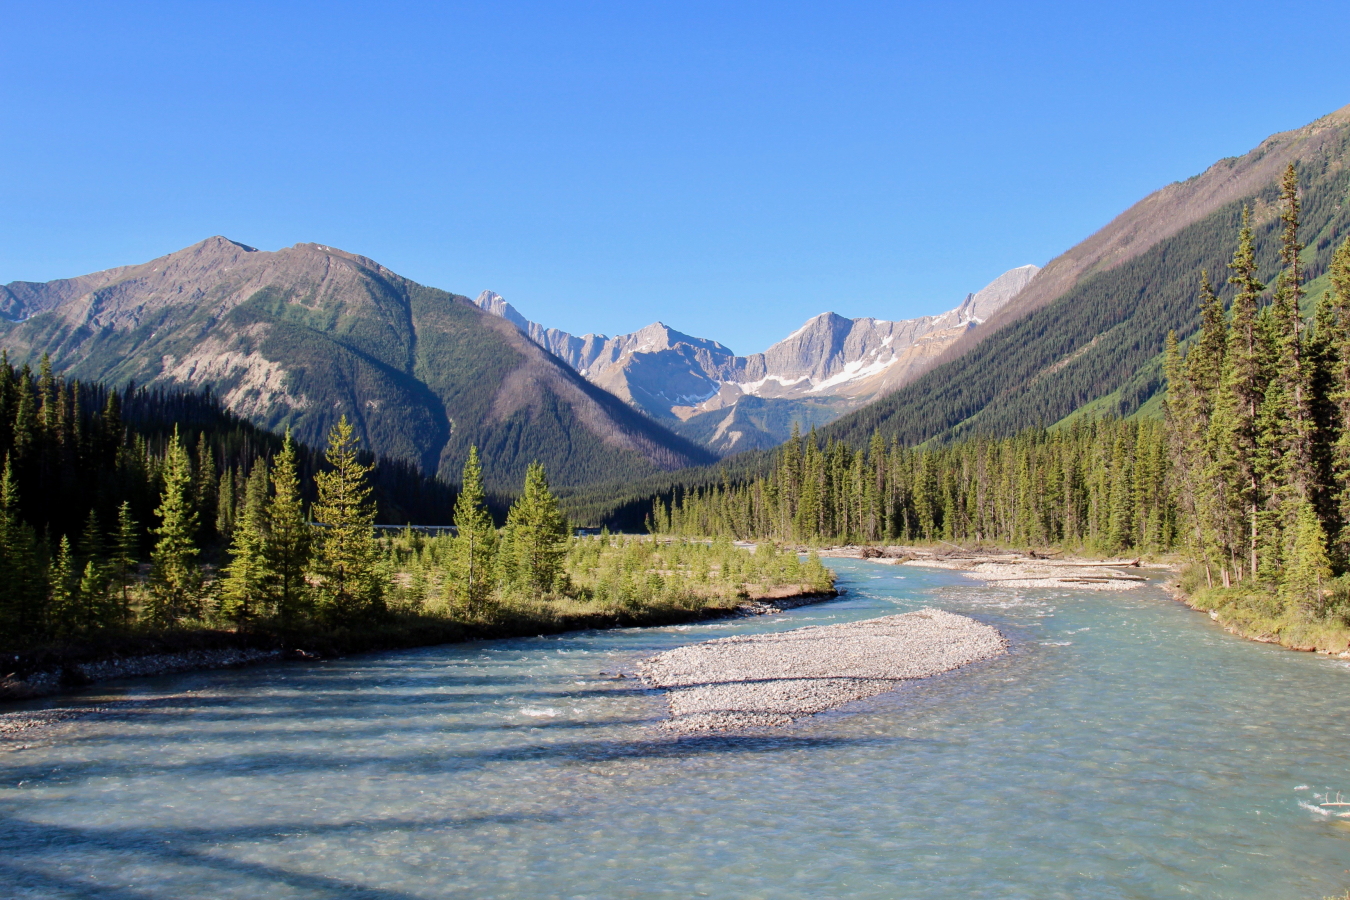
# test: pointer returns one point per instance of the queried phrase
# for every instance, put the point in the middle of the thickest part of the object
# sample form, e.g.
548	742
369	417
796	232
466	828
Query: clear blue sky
728	168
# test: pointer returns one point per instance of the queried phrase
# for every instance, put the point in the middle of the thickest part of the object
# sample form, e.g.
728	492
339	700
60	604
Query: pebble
773	679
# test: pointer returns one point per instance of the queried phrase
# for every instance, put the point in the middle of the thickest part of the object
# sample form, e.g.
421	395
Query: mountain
297	337
730	403
1088	331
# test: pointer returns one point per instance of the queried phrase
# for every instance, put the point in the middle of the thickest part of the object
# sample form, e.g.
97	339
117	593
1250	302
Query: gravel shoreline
763	680
66	678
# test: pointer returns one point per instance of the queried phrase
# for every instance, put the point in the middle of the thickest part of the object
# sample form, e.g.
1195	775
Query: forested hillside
75	449
1107	330
302	336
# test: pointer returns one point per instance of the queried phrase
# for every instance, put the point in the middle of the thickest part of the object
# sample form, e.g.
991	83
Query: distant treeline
1100	485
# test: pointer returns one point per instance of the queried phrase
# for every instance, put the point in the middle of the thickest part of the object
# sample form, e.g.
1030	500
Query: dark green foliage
1258	455
175	580
289	541
535	539
474	550
346	559
1099	485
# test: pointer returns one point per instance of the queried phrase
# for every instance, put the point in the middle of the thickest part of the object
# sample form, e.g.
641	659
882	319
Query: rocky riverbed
773	679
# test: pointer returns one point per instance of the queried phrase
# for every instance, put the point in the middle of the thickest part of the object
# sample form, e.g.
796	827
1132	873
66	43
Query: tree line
1258	412
1101	485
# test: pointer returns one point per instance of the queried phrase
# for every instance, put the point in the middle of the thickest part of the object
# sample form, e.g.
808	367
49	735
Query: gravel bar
771	679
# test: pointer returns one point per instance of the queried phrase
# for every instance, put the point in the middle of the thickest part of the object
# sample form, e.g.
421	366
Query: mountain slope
297	337
731	403
1046	354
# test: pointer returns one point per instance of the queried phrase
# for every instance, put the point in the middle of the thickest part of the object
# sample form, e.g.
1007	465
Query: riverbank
765	680
1259	616
1012	569
67	667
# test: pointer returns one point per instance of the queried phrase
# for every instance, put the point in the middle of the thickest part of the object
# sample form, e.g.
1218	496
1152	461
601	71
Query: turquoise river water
1125	747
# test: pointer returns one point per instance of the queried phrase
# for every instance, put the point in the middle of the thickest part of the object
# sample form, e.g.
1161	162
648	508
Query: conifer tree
64	599
126	552
247	575
475	545
94	580
225	504
1309	566
175	581
291	538
1233	426
1288	428
205	487
535	539
1340	394
347	558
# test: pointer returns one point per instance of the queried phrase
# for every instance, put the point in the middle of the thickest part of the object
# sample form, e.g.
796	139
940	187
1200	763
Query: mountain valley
702	390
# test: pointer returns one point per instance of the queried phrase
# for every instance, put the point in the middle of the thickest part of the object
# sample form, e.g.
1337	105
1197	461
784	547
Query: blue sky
730	169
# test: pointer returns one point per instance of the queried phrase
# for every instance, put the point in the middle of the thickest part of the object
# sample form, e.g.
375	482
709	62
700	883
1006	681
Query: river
1124	748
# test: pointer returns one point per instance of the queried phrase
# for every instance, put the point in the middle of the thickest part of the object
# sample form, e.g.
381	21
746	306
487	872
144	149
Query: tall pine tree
346	558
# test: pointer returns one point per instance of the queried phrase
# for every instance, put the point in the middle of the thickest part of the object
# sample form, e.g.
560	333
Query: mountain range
297	337
702	390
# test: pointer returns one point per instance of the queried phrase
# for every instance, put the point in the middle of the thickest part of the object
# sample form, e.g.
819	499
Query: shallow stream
1124	748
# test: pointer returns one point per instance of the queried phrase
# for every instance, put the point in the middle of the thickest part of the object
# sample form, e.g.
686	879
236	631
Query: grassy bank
613	582
1256	612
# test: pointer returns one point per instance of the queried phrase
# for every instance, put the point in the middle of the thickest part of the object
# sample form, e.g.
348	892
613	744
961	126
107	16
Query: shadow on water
431	760
42	846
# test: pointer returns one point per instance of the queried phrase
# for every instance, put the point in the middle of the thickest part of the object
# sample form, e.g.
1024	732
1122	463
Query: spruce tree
535	539
96	608
24	592
124	563
247	575
346	557
175	581
225	504
64	597
291	537
1233	426
1309	566
1287	431
1340	394
475	545
205	487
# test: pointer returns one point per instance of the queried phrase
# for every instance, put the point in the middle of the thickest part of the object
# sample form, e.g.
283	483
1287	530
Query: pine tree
347	557
225	504
175	581
124	565
1233	426
1340	394
475	544
247	575
64	599
205	487
96	610
535	539
1309	566
1287	431
291	538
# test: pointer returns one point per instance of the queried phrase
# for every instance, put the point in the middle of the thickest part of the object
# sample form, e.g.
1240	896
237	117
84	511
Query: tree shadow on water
42	859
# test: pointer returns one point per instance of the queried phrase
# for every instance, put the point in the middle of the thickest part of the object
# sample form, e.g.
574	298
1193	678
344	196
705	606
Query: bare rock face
823	369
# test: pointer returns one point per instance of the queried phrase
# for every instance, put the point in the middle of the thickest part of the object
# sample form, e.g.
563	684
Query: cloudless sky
728	168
